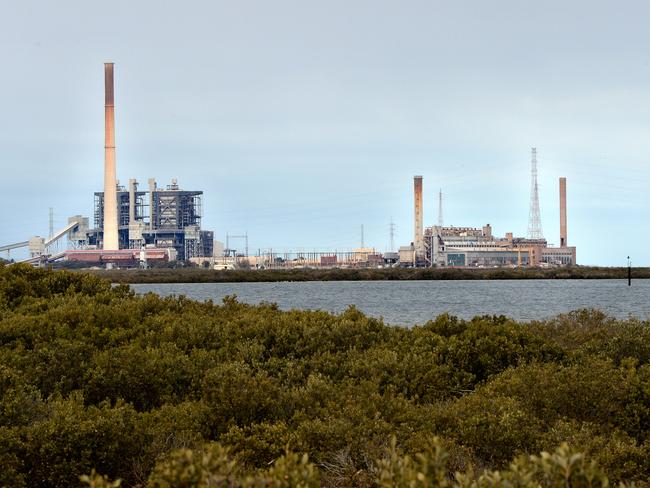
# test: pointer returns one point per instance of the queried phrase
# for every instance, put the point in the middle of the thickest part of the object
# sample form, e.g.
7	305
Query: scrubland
100	387
202	275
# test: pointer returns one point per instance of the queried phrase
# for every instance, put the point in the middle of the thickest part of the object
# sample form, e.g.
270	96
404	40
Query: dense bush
168	392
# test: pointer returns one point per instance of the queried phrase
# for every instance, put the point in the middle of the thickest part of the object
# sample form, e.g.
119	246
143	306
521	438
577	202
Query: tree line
202	275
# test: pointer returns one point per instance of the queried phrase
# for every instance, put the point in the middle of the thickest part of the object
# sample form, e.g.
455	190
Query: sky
303	120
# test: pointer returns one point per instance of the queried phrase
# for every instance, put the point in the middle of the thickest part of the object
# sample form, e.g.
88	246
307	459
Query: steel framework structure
534	219
164	218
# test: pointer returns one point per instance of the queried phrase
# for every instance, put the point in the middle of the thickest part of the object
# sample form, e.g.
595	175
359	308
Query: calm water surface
415	302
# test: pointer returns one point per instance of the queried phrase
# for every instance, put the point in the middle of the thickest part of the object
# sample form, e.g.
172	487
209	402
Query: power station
478	247
130	226
134	226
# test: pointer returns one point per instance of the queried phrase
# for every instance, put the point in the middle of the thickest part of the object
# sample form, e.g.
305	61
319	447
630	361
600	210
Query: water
415	302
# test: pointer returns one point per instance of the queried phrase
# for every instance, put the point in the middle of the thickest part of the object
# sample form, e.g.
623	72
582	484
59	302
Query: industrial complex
164	218
131	227
442	246
134	226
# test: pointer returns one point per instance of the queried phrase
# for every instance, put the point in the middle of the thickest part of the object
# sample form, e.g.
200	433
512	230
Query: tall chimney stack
563	240
111	240
418	238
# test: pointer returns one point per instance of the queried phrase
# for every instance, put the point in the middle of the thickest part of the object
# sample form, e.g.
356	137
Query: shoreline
201	275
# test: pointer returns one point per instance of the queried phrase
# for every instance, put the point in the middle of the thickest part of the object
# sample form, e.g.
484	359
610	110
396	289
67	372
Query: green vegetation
100	387
201	275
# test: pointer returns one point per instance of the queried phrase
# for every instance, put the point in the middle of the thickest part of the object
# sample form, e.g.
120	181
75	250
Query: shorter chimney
418	238
563	239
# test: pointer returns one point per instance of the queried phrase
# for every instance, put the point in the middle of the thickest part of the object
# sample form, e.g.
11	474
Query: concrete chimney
563	239
418	238
111	239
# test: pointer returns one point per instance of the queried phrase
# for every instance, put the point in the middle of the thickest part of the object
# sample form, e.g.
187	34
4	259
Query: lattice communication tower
534	219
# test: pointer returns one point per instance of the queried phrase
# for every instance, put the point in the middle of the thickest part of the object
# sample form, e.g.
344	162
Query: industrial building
450	246
164	218
132	219
477	247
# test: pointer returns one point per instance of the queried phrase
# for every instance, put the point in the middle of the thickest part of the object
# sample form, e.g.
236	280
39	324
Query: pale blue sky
302	120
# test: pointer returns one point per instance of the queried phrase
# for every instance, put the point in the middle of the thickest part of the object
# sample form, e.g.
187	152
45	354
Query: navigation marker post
629	272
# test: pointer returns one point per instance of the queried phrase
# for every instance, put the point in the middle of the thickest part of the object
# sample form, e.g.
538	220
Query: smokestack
111	240
563	240
418	238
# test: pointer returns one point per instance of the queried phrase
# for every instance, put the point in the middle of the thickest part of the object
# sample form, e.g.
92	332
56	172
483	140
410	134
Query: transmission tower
534	219
363	243
392	234
440	208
